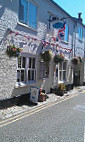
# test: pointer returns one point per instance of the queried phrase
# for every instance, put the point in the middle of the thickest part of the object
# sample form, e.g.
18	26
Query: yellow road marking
83	91
31	112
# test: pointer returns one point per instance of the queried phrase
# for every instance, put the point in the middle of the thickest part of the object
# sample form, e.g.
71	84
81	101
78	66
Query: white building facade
28	24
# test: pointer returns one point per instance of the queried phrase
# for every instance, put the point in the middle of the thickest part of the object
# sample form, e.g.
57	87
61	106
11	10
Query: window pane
64	66
22	75
23	62
18	76
19	62
32	74
79	33
23	11
30	62
66	33
60	75
64	75
60	66
32	15
29	75
33	63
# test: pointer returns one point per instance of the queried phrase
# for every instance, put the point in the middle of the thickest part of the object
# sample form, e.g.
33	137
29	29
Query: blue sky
73	7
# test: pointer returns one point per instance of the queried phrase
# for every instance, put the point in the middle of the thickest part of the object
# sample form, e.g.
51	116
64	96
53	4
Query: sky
73	7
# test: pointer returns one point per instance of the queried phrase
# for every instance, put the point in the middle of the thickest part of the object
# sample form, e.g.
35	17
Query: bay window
26	69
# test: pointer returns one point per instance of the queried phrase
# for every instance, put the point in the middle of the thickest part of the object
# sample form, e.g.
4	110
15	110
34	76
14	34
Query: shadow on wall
1	10
9	4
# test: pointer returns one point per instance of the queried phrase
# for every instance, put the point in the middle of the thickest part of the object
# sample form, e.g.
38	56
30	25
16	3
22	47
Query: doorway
76	80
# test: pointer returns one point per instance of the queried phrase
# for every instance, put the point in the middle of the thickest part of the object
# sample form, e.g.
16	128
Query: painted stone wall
9	20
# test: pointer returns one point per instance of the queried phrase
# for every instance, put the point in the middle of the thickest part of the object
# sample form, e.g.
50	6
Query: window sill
26	26
65	42
62	81
21	84
80	39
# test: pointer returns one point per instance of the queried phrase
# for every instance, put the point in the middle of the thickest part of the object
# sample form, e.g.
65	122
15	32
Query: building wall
79	51
9	19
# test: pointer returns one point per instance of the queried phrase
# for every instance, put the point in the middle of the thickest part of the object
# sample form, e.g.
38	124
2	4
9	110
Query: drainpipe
74	40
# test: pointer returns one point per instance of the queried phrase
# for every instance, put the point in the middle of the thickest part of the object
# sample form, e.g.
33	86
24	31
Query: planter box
60	93
42	98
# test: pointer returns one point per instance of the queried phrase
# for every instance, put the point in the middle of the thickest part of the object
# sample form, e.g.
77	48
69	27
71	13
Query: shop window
31	73
62	71
26	70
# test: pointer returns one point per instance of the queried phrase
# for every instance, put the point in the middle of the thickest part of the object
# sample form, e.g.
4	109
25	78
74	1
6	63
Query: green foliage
61	86
13	51
46	56
58	58
76	60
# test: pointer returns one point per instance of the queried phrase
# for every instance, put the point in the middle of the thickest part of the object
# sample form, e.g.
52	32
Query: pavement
18	109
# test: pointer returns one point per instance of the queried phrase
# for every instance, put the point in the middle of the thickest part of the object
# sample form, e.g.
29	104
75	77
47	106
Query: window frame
80	33
26	81
62	70
21	22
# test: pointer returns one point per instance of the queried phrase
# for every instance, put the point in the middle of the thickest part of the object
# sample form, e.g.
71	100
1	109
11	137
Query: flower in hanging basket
13	51
46	56
76	60
80	59
58	58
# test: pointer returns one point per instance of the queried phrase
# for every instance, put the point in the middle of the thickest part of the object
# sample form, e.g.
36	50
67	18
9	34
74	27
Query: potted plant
58	58
42	96
61	89
13	51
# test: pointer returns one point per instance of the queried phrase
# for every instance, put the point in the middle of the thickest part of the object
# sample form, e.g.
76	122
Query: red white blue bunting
43	42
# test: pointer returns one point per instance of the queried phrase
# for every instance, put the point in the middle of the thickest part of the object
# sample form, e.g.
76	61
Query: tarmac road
61	122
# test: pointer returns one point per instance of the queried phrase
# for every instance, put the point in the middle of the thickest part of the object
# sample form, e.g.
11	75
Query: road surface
62	122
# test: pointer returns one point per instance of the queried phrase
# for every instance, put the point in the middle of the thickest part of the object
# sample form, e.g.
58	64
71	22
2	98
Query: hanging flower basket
58	58
46	56
76	60
13	51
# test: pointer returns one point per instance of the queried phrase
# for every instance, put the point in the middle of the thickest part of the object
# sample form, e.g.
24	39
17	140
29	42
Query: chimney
79	17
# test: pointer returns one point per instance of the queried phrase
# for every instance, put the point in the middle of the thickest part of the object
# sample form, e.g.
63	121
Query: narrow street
62	122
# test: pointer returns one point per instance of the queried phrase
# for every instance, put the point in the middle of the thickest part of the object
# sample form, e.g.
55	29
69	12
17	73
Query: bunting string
43	42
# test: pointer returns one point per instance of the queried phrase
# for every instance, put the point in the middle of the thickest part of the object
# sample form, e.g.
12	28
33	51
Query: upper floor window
28	13
80	33
66	33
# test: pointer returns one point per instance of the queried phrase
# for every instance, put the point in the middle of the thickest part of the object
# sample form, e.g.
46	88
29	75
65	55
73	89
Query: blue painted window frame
32	15
80	33
28	13
66	36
